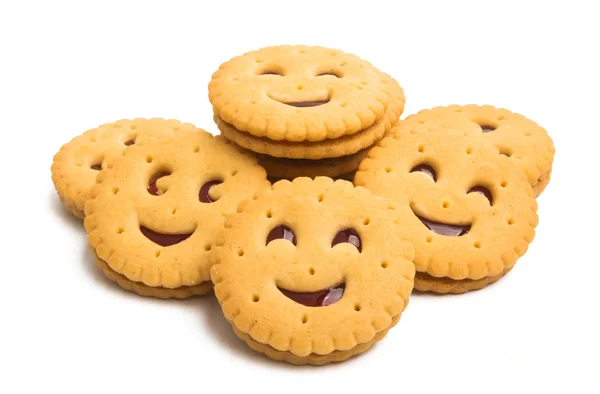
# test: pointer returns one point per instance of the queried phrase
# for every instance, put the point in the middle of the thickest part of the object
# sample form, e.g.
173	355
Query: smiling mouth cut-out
164	239
446	229
323	297
306	104
303	103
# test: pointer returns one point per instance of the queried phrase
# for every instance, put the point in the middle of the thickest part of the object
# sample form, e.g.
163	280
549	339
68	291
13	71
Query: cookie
78	162
329	148
295	168
298	93
470	212
527	144
151	218
312	272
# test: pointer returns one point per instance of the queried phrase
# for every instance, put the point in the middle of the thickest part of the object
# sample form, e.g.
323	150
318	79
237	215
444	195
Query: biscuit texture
121	211
256	92
251	273
147	291
78	162
295	168
526	143
494	233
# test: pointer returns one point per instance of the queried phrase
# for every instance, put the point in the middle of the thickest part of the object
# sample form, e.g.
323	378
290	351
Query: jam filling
163	239
323	297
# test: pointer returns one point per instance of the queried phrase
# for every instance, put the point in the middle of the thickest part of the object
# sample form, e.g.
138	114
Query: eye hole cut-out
152	188
333	73
129	142
96	166
486	128
204	194
349	235
484	191
281	232
272	71
426	169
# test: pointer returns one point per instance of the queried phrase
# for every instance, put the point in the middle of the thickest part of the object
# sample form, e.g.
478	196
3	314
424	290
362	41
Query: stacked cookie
310	271
305	111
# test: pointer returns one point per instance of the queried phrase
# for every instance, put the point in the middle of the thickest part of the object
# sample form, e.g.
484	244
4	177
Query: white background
67	67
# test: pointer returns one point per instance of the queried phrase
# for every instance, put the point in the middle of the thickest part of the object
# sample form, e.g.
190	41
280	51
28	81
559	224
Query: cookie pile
304	111
309	270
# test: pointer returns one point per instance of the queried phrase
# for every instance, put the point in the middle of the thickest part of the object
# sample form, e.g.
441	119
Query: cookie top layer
470	211
78	162
153	215
526	143
299	93
312	266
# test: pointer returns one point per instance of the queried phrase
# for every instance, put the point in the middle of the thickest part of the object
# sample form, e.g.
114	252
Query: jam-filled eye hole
333	73
349	235
486	128
281	232
426	169
484	191
204	194
152	188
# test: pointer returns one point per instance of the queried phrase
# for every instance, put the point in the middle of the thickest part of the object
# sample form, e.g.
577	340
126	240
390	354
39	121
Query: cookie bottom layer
147	291
444	285
327	149
293	168
313	359
71	207
541	184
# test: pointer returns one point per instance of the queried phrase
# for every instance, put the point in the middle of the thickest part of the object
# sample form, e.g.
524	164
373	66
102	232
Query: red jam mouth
164	239
445	229
318	298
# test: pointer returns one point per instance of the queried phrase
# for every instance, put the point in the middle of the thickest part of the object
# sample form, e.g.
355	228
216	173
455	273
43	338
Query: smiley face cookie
470	211
302	102
312	272
526	143
151	218
263	93
78	162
